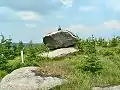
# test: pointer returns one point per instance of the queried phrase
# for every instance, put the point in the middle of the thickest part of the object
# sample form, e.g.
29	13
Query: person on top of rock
59	28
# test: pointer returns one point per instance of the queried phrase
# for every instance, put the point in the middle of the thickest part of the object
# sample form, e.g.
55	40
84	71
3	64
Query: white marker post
22	56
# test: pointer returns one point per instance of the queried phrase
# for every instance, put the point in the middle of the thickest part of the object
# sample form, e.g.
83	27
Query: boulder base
59	52
60	39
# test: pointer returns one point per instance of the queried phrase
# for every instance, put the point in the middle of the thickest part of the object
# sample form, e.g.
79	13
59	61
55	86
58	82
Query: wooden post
22	56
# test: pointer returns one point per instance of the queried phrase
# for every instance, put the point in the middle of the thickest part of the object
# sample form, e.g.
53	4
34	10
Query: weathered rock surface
60	39
59	52
107	88
28	78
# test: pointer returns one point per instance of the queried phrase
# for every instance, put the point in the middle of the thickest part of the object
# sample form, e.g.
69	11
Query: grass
69	68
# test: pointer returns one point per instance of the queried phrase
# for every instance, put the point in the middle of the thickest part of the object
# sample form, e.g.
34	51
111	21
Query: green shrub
2	74
43	48
108	53
3	61
12	65
113	42
80	46
105	44
90	46
92	64
117	50
6	48
34	61
100	41
19	47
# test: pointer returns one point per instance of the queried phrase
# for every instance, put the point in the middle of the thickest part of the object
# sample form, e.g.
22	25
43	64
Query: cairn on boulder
60	42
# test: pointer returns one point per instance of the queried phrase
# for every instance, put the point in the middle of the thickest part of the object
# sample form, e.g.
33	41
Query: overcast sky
31	19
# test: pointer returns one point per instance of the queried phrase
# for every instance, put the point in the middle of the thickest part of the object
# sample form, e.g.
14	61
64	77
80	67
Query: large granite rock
60	39
28	78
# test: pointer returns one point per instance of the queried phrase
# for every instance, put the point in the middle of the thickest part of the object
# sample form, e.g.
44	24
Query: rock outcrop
60	39
28	78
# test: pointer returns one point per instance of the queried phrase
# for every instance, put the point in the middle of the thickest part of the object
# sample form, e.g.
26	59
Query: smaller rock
59	52
107	88
28	78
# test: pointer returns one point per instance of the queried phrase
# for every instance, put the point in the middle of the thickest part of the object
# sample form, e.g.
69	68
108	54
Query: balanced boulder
60	39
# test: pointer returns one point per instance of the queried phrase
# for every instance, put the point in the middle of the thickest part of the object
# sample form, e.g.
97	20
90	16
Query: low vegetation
97	63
